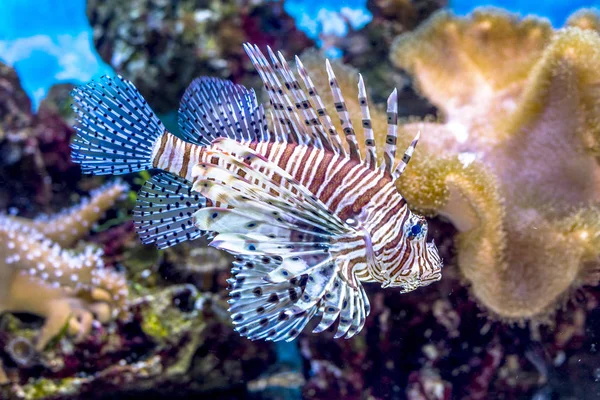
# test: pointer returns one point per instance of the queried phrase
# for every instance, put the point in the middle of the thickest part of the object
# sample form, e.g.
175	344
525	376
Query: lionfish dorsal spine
301	102
343	114
370	145
282	105
389	154
406	157
324	116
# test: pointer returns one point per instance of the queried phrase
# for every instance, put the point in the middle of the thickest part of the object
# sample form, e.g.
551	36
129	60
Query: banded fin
298	118
212	108
324	117
406	157
279	99
164	211
389	154
301	102
342	111
116	129
286	267
371	150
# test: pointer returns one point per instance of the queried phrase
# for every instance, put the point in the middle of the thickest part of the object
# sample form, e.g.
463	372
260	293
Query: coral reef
372	42
487	163
63	287
162	46
58	101
512	162
14	103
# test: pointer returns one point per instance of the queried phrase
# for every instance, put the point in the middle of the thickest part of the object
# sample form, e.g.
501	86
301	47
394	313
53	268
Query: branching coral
514	163
66	288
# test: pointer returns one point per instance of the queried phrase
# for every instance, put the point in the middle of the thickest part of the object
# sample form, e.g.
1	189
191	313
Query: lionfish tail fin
116	129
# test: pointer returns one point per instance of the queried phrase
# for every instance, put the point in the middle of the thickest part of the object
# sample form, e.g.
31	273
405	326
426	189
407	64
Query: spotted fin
337	305
212	108
286	271
164	211
259	310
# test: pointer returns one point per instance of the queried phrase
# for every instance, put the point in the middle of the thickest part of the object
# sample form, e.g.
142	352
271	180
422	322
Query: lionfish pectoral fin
165	209
269	185
344	302
260	310
281	235
212	107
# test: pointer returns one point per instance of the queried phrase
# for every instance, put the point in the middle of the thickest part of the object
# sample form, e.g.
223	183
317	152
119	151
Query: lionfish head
407	260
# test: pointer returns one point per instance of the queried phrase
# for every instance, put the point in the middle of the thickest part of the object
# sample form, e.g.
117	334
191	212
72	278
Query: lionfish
306	218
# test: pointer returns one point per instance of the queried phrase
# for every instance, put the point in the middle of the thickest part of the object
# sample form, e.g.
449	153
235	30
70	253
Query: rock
162	46
34	150
15	106
58	101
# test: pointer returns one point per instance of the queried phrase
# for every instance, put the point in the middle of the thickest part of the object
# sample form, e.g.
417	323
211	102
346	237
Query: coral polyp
513	160
65	287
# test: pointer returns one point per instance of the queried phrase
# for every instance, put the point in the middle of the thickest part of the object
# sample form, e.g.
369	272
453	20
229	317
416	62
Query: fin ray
212	108
165	209
116	129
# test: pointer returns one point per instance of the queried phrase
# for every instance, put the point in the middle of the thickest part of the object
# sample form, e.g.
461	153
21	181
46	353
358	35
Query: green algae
44	388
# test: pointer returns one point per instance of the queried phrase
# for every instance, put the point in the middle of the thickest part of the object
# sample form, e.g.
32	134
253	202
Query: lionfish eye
416	227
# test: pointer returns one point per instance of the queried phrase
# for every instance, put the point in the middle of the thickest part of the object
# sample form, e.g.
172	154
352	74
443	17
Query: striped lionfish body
307	219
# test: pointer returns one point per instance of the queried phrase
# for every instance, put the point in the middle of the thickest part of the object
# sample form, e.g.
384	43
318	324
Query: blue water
50	41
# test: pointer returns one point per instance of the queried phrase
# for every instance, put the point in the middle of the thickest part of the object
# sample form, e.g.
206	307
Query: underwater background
506	96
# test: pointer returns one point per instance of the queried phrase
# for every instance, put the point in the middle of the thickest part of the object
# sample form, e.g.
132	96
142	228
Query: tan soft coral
513	161
67	288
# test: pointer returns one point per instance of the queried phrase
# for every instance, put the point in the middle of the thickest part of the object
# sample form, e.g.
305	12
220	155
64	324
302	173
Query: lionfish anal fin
164	211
